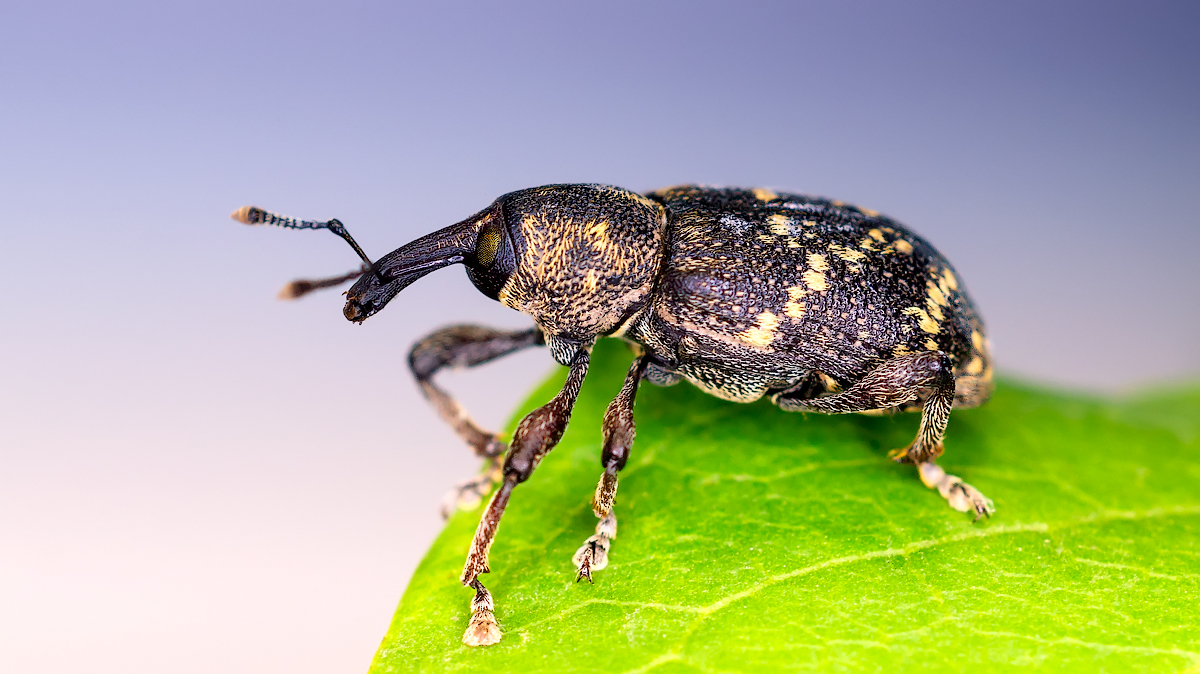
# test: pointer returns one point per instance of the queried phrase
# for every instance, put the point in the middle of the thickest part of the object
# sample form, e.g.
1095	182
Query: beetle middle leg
894	384
535	436
618	431
466	346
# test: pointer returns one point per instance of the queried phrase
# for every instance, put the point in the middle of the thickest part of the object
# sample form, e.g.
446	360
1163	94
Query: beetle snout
357	311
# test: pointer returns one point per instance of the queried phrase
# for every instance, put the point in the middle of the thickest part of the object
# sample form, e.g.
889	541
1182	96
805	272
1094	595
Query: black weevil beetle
822	306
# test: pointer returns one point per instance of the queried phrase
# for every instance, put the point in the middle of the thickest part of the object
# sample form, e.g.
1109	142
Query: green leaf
753	539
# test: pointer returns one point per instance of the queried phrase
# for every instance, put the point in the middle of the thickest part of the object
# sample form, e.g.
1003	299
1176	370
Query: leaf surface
752	539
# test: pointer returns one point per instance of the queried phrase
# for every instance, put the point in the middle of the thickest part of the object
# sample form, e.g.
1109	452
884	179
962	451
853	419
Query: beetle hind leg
896	383
618	430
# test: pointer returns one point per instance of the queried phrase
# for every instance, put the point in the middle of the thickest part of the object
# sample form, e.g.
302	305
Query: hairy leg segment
535	436
618	431
894	384
466	346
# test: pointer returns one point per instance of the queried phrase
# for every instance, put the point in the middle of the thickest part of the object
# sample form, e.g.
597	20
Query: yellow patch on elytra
869	212
814	277
931	345
975	366
923	319
948	281
764	195
874	237
848	254
936	294
763	333
934	301
977	340
815	280
794	307
900	350
589	280
780	224
903	246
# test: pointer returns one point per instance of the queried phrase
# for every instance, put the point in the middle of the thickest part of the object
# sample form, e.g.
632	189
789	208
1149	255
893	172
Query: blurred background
197	477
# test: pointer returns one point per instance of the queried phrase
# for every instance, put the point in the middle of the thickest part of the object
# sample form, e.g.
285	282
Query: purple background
195	477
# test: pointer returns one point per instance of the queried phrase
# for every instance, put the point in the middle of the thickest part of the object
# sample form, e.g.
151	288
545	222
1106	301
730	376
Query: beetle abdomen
779	284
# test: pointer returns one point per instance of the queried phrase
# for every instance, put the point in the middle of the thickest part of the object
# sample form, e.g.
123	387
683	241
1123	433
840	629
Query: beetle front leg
466	346
618	431
894	384
535	436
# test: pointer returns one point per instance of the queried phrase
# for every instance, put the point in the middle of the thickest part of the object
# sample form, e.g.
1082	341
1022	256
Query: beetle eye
488	246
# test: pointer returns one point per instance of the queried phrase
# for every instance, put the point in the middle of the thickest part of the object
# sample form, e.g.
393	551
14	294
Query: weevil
819	305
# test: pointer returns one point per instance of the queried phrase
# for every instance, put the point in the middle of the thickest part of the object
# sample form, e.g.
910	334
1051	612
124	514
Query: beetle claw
591	556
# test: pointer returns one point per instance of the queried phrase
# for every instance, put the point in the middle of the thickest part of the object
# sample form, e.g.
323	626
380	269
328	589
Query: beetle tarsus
593	554
483	629
960	495
584	561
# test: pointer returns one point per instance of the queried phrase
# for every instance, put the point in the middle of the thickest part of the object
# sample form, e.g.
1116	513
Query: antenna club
249	215
296	290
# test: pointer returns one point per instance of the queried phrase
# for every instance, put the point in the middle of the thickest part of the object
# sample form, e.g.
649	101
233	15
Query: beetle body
822	306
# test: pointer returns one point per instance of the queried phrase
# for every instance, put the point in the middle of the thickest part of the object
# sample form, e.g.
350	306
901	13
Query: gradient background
195	477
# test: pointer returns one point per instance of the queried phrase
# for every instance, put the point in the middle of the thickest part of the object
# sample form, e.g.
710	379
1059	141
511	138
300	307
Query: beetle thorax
587	256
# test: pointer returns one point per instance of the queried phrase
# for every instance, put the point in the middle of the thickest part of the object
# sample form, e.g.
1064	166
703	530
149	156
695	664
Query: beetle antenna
301	287
253	215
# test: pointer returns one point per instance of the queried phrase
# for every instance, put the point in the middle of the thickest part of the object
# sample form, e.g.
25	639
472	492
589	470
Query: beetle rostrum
745	293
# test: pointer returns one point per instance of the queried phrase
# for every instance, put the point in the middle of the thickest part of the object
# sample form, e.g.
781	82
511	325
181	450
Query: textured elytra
755	540
761	288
